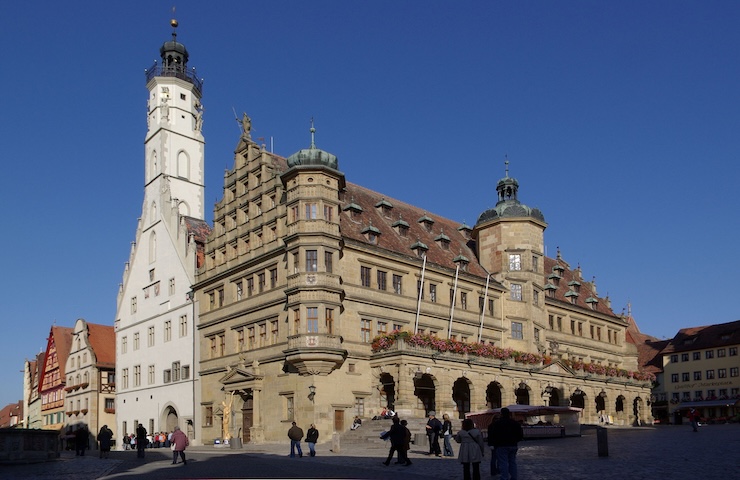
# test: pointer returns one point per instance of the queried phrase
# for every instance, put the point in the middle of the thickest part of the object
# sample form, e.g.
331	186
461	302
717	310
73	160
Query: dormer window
592	302
462	261
371	234
443	241
554	279
550	290
354	210
401	227
575	286
572	296
384	206
465	230
419	248
427	222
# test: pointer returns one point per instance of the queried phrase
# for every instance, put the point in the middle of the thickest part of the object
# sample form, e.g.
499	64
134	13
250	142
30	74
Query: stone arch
522	394
387	391
578	398
494	395
183	208
551	396
461	396
425	390
638	410
170	419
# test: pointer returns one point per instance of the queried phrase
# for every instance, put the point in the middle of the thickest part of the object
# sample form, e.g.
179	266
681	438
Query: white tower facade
156	374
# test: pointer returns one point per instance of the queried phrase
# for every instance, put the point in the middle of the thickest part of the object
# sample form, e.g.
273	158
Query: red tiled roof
708	336
9	411
62	337
648	348
103	342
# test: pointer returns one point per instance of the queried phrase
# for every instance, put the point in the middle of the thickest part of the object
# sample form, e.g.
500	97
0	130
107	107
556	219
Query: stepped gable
102	339
709	336
585	292
648	348
389	239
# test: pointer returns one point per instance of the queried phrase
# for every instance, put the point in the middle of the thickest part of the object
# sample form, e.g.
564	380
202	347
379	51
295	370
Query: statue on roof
246	123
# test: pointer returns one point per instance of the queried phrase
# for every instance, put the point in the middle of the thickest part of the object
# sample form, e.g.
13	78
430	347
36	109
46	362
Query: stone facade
308	280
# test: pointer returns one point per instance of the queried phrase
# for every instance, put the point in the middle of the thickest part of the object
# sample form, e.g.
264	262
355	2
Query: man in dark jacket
397	436
295	434
434	426
141	441
504	435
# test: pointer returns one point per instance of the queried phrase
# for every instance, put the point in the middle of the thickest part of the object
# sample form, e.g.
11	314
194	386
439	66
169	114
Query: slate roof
708	336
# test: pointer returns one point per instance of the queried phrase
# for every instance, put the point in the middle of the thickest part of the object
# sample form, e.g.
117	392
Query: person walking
81	441
105	435
472	449
434	426
694	419
406	441
141	441
397	436
312	436
295	433
179	443
507	433
494	462
447	435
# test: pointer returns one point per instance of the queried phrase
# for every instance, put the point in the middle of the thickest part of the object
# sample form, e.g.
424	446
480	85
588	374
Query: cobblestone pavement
666	452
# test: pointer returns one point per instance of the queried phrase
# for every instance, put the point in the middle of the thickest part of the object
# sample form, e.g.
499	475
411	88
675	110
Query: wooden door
338	420
247	420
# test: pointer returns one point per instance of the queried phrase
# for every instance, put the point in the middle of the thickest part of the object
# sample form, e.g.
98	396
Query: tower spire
313	131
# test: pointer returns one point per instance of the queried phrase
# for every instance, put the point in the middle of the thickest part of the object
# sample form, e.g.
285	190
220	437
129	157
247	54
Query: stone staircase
369	432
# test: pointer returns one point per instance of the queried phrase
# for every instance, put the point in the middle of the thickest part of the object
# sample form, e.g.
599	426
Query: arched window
183	209
152	247
183	165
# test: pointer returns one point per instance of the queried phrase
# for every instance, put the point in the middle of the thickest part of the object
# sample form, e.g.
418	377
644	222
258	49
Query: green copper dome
313	156
508	206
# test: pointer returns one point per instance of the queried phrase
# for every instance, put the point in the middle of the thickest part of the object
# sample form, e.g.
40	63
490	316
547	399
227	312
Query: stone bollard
602	441
335	443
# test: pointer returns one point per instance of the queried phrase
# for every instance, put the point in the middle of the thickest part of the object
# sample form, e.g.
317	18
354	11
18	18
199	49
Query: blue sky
620	120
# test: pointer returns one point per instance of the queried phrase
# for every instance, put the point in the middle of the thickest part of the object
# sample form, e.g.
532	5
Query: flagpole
483	310
421	291
454	301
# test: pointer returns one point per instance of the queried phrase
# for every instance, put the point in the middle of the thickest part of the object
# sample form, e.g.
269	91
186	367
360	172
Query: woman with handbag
179	444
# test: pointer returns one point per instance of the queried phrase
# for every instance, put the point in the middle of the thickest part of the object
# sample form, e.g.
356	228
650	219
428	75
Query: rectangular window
535	264
674	378
261	282
490	306
208	416
697	375
685	376
185	372
734	371
328	213
397	286
517	330
516	292
537	335
124	344
732	351
168	330
710	374
294	213
136	341
330	321
311	259
289	408
684	357
328	262
137	376
515	262
175	371
674	358
212	342
250	286
150	376
359	407
721	352
721	373
365	276
274	332
696	355
296	321
432	293
311	211
221	345
709	354
535	297
381	280
220	297
382	327
172	286
365	329
251	338
463	300
183	325
240	340
312	320
239	290
273	277
167	376
124	378
150	337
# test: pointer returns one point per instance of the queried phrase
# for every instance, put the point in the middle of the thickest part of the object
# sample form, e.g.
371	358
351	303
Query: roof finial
313	131
506	162
174	24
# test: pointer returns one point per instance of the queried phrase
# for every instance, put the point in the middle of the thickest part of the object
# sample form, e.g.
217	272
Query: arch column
257	431
403	376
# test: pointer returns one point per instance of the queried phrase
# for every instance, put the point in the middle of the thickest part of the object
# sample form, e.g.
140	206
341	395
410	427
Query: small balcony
315	354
